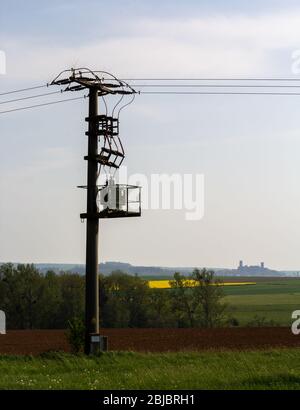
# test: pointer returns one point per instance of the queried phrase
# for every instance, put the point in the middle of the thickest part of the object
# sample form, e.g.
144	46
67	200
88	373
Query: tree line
32	300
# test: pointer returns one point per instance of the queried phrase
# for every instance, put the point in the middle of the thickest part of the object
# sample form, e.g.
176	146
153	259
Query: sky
247	147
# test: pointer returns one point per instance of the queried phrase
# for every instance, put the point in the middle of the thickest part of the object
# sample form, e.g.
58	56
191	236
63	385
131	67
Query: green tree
72	287
126	300
49	304
207	295
183	303
21	290
160	313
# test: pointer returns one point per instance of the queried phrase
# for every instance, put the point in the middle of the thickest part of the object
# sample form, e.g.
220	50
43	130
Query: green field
271	298
272	369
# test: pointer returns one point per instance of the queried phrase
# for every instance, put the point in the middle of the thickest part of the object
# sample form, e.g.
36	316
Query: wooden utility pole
92	228
110	155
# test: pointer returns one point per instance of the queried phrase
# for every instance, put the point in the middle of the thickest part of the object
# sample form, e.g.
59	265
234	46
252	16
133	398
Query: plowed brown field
155	340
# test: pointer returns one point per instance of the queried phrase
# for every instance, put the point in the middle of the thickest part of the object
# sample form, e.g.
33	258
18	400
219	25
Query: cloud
223	46
239	30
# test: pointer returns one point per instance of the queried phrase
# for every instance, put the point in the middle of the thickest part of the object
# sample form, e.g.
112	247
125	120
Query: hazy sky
247	147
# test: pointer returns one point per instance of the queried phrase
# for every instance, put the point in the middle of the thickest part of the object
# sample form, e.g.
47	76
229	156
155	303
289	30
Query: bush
261	321
232	322
76	334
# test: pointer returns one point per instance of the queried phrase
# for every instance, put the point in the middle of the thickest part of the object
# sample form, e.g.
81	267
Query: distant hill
159	271
108	267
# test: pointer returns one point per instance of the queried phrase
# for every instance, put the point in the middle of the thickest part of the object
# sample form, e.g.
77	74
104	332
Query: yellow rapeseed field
164	284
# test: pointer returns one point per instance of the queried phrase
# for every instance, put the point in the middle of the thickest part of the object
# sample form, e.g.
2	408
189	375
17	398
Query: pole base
98	343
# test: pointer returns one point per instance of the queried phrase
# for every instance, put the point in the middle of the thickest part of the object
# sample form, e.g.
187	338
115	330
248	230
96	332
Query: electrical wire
165	92
24	89
278	79
30	97
43	104
217	86
214	93
113	111
173	79
212	79
126	105
154	93
105	104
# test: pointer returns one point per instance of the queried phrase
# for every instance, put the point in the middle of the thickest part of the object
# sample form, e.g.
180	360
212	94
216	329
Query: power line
214	93
142	92
24	89
210	79
155	93
43	104
28	98
177	85
217	86
180	79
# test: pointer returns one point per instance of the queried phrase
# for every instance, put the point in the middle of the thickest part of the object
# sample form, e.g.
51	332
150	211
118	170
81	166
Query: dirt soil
155	340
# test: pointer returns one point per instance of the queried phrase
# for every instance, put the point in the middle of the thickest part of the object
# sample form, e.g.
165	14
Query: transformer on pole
111	200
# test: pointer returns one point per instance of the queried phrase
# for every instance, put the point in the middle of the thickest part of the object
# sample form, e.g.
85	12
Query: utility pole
114	199
92	227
